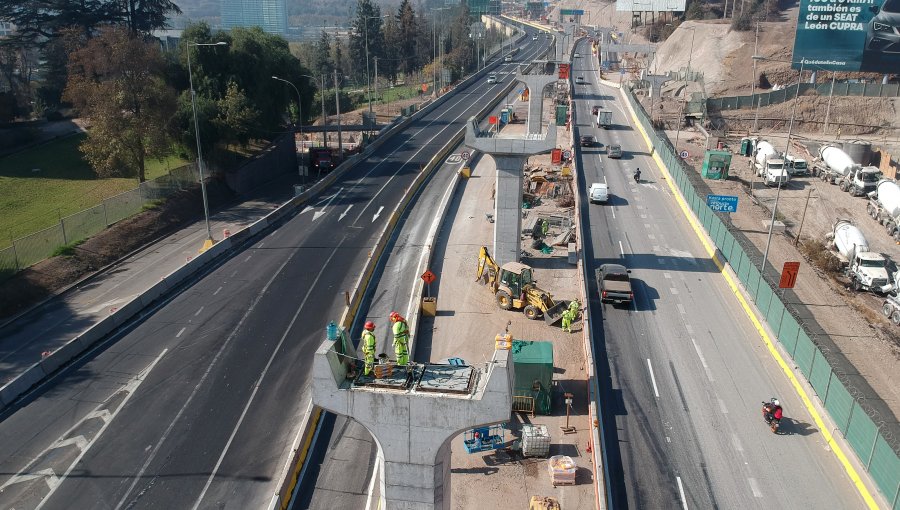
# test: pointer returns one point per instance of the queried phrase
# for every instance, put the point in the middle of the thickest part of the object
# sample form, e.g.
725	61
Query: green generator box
716	164
534	375
561	112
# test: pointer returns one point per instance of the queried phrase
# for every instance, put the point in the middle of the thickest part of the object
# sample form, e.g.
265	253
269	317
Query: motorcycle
637	176
768	409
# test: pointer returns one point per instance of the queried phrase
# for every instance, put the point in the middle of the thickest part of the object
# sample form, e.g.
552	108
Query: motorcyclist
772	410
637	175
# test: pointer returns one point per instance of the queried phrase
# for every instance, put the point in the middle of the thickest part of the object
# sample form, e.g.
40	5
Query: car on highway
598	193
534	38
614	151
588	140
614	283
579	79
577	55
492	78
507	58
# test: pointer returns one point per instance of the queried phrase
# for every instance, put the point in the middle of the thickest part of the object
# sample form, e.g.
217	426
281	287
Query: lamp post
787	151
684	99
298	127
209	238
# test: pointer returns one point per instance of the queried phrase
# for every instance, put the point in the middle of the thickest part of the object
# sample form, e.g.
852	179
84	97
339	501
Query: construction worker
575	306
567	317
368	346
401	338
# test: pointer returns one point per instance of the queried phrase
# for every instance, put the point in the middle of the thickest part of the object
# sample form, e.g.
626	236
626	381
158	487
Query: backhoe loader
514	287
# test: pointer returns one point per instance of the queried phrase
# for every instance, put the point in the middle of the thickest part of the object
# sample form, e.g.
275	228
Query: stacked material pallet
562	470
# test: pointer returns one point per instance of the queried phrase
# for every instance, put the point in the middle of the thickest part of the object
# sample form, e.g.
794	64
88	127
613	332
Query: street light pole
684	98
787	151
298	127
209	238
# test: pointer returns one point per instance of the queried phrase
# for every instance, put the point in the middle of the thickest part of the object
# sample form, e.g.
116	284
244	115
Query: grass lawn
41	184
398	93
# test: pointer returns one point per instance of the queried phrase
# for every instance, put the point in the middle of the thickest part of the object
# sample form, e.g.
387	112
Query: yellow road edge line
301	458
823	428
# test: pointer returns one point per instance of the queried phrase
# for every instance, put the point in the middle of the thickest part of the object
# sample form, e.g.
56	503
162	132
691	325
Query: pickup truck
614	283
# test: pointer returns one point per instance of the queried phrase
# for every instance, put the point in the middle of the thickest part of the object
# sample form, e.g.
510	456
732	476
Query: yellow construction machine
514	288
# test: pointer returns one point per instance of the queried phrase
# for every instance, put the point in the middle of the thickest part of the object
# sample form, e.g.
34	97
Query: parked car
588	140
598	193
614	151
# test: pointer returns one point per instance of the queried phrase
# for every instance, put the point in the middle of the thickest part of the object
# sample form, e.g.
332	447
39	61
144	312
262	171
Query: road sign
685	154
492	119
571	12
428	276
465	156
722	203
567	154
789	275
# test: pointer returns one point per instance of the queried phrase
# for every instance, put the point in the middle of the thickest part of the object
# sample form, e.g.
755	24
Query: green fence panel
743	267
720	231
788	334
753	280
821	372
804	353
715	226
704	213
885	469
775	313
727	245
861	434
763	299
839	403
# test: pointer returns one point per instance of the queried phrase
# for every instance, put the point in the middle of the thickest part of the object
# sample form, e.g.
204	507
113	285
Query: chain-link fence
860	414
33	248
790	92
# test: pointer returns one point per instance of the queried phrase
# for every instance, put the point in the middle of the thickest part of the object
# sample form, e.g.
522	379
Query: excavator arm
485	262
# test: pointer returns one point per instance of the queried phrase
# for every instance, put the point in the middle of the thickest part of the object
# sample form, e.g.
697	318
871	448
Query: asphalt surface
197	404
342	463
682	371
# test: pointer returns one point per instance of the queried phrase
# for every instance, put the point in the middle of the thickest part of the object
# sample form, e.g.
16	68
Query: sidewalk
51	325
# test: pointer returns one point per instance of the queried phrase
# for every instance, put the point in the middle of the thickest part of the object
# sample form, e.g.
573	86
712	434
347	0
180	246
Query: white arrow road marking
320	202
318	214
345	212
106	411
377	214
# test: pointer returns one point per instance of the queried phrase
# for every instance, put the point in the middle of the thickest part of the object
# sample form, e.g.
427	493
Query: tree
408	35
116	83
236	115
393	42
322	63
366	27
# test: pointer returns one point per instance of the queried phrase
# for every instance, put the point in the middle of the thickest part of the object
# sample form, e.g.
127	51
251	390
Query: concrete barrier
22	383
61	356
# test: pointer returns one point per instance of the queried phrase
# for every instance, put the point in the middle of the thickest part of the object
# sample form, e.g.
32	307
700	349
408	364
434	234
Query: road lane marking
773	350
82	443
217	291
680	308
722	406
320	213
613	209
232	274
754	486
651	236
248	258
345	212
621	249
673	290
153	453
178	335
703	361
652	378
260	379
689	328
681	490
737	443
375	217
260	245
200	310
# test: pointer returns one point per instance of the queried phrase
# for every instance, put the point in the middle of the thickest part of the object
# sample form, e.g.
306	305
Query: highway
196	404
682	372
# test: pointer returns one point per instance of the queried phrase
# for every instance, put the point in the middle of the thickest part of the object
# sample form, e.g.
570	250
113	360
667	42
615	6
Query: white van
598	193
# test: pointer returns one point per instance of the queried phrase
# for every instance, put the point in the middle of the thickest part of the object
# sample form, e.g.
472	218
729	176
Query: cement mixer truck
884	206
866	270
837	167
770	165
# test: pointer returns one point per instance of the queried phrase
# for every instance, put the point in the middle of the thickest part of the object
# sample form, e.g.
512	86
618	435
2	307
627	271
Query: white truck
770	165
796	165
884	206
837	167
866	270
604	118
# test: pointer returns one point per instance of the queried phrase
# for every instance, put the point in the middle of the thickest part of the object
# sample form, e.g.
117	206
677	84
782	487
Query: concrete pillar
536	85
413	420
509	155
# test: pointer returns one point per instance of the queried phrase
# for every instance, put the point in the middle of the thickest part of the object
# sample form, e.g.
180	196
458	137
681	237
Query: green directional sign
572	12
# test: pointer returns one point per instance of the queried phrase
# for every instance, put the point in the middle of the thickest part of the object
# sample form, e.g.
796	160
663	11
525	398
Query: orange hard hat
370	326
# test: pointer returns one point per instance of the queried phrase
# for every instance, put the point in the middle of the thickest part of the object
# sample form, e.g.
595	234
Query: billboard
650	5
848	35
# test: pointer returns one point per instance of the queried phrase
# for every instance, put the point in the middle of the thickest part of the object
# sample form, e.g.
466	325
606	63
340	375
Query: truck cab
796	166
862	181
868	271
773	172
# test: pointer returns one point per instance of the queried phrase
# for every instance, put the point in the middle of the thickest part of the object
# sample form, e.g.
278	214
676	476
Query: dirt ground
853	320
